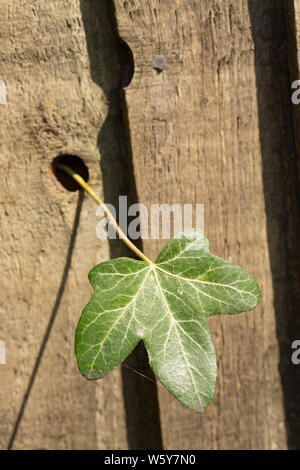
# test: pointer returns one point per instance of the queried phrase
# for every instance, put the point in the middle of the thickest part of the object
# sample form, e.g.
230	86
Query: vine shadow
51	321
281	191
112	68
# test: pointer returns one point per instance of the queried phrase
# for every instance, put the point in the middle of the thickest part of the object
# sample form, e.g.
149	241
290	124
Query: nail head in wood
159	63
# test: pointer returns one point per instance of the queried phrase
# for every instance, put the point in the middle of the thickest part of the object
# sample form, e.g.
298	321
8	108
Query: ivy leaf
164	304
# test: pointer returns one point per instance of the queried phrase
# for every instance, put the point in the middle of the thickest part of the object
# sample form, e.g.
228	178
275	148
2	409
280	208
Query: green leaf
165	305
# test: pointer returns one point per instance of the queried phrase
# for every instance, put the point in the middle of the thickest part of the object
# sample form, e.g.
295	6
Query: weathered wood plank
290	372
200	134
53	106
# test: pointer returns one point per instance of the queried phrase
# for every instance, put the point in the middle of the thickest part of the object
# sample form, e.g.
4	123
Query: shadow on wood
112	68
51	321
281	189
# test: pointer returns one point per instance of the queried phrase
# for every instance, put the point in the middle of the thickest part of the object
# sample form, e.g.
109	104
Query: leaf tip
92	374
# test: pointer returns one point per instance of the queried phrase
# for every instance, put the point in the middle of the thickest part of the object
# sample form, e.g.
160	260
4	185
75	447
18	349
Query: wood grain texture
213	128
53	106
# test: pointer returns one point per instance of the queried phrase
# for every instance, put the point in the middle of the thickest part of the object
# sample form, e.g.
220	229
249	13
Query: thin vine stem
106	211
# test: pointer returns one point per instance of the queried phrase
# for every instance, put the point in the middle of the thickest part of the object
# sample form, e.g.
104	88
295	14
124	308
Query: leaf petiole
106	211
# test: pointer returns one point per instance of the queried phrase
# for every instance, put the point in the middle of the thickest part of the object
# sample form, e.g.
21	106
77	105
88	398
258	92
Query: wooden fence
216	126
